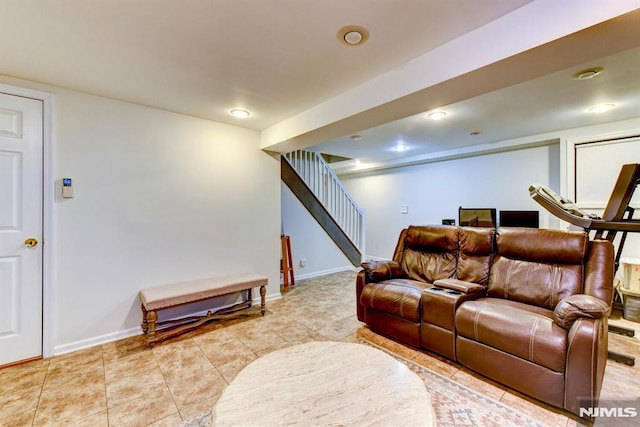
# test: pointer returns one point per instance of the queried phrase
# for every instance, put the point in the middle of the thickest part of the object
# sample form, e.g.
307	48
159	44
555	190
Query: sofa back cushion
538	266
429	253
476	250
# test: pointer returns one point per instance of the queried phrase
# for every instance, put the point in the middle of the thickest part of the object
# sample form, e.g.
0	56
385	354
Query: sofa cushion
533	283
538	267
525	331
430	252
476	249
400	297
542	245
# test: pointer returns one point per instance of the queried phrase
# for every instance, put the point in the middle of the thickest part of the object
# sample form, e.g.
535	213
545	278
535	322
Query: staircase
316	186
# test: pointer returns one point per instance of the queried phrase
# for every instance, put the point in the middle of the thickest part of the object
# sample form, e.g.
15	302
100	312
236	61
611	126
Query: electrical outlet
404	209
303	262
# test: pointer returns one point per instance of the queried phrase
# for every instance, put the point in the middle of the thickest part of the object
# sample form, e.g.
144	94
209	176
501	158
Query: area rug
453	404
457	405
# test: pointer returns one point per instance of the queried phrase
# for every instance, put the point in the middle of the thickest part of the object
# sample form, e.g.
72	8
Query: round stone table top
325	383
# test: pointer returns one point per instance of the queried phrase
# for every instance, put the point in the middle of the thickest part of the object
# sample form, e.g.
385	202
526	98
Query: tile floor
125	383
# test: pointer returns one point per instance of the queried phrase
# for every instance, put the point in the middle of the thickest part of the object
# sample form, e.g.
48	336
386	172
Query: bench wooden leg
145	325
152	318
263	292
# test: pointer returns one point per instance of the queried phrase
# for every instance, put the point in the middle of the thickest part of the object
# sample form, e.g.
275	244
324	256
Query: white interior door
21	219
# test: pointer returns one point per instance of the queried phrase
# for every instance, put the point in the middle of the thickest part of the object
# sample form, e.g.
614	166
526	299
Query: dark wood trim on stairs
291	178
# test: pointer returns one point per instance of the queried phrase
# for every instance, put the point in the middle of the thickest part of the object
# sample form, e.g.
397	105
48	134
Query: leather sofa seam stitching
532	338
475	322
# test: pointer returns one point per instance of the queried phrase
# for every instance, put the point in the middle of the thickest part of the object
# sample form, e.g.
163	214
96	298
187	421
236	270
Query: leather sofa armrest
459	286
577	306
377	271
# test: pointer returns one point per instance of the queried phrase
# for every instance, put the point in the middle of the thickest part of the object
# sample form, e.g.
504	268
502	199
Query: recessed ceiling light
400	148
240	113
356	137
353	35
475	133
602	108
437	115
587	74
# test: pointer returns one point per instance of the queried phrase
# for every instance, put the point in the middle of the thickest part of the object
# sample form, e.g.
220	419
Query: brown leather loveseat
525	307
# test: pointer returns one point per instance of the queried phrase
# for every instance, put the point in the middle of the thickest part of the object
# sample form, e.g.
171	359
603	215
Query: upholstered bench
167	296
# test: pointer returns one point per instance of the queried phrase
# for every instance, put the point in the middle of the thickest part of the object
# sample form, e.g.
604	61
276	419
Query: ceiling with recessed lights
549	103
314	74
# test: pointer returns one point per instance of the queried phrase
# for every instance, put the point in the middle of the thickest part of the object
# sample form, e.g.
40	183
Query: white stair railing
326	186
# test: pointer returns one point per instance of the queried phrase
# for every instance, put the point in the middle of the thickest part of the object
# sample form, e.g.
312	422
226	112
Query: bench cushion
159	297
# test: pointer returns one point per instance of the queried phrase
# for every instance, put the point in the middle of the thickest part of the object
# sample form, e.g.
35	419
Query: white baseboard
322	273
375	258
94	341
126	333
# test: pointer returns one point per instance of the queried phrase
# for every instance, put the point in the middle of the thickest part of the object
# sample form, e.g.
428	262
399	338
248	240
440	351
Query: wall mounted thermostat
67	188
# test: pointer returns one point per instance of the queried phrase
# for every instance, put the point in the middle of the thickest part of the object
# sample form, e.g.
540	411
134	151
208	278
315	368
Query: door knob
31	242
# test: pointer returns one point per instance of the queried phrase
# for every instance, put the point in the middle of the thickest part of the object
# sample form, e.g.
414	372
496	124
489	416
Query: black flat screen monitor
529	219
477	217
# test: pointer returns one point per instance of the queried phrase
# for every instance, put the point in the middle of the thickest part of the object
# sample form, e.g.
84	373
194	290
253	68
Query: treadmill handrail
559	206
631	225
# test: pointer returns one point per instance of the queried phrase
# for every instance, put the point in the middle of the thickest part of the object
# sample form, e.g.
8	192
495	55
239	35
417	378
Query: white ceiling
281	60
538	106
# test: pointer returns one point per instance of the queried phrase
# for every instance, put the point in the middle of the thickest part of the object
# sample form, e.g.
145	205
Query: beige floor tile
166	351
313	322
101	419
21	377
134	386
145	410
218	337
261	340
171	421
121	349
200	407
185	364
353	338
278	346
18	418
228	352
61	405
134	364
232	368
436	364
189	390
300	334
339	329
25	400
67	378
77	361
390	345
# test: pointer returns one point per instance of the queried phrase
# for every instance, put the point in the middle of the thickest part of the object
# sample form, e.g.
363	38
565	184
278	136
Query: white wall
159	198
309	241
434	191
605	169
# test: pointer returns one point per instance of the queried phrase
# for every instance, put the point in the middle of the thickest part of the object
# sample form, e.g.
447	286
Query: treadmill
617	218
